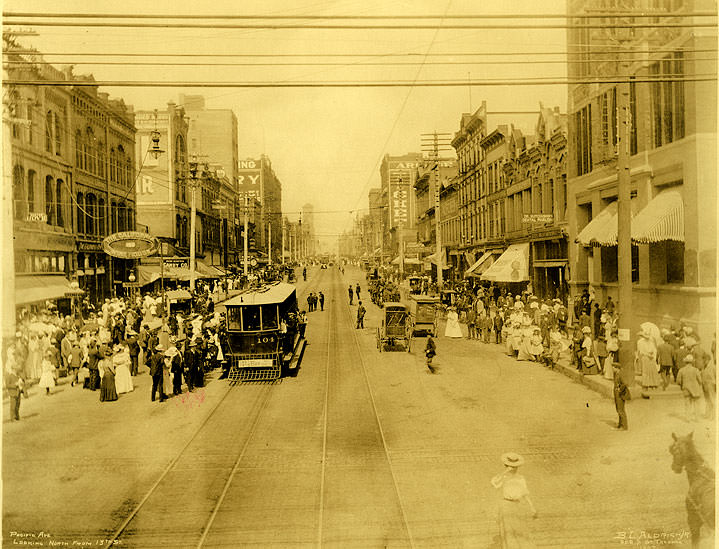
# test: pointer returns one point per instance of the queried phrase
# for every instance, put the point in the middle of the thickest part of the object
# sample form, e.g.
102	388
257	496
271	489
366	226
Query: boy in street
621	395
350	292
360	315
322	301
429	351
689	379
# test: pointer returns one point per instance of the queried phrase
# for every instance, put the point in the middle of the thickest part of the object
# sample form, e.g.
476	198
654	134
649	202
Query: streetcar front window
234	318
251	319
269	317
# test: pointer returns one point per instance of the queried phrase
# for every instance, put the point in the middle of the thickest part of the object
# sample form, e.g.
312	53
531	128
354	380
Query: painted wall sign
129	245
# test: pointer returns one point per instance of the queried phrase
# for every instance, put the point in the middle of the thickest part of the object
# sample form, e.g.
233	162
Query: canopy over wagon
395	327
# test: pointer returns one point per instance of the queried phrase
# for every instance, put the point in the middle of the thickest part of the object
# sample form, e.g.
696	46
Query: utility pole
624	224
432	143
247	235
283	240
195	167
269	240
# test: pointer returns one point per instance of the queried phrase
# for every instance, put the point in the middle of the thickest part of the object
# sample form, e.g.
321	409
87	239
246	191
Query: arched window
91	213
91	159
31	177
18	192
113	216
121	216
78	150
50	200
59	206
184	231
113	164
178	229
130	219
129	179
58	136
48	131
101	159
102	217
119	167
80	213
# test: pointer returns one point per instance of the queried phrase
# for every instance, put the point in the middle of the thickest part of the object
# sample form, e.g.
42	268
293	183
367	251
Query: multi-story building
672	164
467	143
257	179
43	205
104	186
397	174
164	186
377	226
73	160
308	224
533	188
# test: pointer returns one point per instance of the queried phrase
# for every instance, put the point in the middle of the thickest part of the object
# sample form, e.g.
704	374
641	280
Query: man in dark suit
156	364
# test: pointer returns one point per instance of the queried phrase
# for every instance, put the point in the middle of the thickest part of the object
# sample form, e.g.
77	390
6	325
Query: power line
370	55
340	64
317	26
358	84
596	15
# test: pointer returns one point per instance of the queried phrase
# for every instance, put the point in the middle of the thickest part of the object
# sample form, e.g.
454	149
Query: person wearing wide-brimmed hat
156	367
513	527
646	361
689	379
106	368
172	355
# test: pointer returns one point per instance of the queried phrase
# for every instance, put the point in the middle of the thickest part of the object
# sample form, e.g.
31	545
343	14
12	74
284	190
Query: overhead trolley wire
358	84
595	15
319	55
315	26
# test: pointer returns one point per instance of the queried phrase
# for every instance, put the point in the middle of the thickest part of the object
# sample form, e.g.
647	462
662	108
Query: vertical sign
249	179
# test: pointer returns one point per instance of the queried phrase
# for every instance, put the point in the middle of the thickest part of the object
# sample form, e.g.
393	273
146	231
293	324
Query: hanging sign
130	245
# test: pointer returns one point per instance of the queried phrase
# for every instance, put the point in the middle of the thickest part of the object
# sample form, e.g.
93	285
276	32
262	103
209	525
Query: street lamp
155	149
195	168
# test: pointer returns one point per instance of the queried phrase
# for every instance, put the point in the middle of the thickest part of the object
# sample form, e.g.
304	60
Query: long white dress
123	379
47	378
453	329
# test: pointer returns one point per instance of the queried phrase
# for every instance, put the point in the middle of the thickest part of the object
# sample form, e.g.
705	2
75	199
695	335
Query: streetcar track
113	539
387	455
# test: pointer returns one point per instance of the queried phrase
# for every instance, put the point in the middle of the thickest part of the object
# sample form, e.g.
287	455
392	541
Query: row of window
90	157
30	203
666	263
92	216
41	262
666	111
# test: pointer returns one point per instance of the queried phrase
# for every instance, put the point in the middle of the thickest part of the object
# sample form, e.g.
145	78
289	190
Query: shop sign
538	218
179	262
130	245
89	247
131	284
36	216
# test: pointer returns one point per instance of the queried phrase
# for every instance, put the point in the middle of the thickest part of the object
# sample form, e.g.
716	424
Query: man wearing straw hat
156	365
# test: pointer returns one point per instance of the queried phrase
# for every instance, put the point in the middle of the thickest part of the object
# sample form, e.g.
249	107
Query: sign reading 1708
130	245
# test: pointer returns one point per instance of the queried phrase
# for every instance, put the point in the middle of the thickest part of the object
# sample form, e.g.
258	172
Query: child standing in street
689	379
621	395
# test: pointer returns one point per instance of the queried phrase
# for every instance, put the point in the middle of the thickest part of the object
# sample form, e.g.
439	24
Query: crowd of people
103	349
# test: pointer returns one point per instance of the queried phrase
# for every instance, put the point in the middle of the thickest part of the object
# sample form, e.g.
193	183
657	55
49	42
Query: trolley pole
269	240
283	241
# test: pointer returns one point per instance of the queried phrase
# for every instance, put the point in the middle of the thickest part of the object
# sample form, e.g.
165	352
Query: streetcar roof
272	294
393	305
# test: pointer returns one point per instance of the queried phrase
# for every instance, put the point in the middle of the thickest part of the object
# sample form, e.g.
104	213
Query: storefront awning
407	261
481	265
208	271
433	259
661	219
602	230
33	289
511	266
147	274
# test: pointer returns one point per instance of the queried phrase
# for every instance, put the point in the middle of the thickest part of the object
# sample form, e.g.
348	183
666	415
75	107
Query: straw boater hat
510	459
160	347
689	358
586	330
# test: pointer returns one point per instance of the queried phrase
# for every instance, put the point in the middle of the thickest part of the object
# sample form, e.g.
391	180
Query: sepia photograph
342	274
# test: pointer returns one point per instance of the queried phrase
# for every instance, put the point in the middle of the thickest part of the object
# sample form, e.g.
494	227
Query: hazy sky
325	144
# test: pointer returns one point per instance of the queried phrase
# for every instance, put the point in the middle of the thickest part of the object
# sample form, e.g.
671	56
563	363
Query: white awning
33	289
481	265
602	230
661	219
511	266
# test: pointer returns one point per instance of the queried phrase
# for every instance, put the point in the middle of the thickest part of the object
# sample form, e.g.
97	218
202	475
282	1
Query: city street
359	449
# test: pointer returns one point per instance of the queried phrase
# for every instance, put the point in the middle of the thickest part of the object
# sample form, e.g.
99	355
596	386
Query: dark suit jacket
156	364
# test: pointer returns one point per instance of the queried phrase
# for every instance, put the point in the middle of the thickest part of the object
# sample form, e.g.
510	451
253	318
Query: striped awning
661	219
602	230
481	265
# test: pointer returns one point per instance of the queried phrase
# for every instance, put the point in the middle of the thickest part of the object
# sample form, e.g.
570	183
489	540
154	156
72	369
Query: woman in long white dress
47	377
121	362
452	329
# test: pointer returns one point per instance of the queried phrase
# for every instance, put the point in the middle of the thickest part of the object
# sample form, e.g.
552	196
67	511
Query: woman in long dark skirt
107	371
